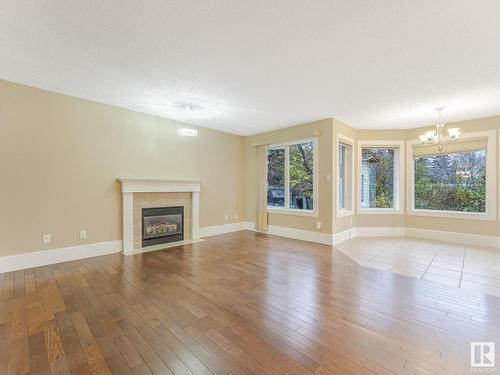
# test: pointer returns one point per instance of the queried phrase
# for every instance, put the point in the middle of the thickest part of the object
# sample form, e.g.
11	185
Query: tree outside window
451	182
301	176
377	177
290	176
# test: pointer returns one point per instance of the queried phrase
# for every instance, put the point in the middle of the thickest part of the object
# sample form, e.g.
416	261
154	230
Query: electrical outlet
46	238
83	234
235	216
318	225
226	217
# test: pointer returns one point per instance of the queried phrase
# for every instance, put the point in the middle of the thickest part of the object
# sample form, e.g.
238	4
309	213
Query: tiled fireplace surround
138	194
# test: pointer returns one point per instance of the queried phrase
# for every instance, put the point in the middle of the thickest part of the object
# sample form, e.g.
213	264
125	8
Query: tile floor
467	267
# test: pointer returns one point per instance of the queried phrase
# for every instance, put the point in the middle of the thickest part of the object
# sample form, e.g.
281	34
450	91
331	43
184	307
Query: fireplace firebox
162	225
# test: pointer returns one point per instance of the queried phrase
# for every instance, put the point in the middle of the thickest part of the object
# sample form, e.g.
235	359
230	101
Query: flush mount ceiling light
436	137
187	107
187	132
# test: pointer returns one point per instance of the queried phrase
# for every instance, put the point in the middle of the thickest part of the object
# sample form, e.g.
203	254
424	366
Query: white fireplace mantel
131	186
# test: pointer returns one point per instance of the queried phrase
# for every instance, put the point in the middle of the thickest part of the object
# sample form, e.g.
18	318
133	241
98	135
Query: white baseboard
336	238
343	236
225	228
379	232
454	237
298	234
65	254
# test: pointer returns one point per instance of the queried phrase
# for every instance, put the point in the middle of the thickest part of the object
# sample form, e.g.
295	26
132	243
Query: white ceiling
253	66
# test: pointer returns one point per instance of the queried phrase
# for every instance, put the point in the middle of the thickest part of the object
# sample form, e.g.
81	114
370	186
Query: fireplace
162	225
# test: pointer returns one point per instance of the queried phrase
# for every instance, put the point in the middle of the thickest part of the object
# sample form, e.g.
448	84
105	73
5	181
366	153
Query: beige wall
324	129
60	157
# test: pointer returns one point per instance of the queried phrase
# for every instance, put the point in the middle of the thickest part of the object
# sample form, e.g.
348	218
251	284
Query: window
377	175
345	176
276	177
381	185
451	182
458	181
291	176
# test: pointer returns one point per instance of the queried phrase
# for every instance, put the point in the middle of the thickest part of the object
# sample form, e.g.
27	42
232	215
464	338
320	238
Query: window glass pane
452	182
276	178
301	176
344	176
341	180
377	177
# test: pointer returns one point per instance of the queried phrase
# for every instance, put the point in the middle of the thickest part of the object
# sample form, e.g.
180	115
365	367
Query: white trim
336	238
136	185
224	228
343	212
379	232
491	180
128	221
45	257
343	236
299	234
454	237
281	145
291	211
399	180
130	186
195	215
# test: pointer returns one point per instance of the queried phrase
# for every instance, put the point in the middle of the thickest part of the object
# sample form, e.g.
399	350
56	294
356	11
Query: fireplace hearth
162	225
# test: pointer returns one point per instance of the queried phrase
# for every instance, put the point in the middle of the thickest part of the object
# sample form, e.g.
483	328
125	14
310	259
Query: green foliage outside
380	165
300	174
453	182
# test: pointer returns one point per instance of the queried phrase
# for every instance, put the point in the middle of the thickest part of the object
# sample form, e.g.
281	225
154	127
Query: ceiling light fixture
187	107
436	137
187	132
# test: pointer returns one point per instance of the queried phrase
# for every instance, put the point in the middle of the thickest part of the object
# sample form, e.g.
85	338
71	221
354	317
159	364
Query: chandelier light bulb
454	132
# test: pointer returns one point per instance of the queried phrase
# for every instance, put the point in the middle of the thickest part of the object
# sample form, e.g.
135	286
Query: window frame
343	212
294	211
399	180
491	180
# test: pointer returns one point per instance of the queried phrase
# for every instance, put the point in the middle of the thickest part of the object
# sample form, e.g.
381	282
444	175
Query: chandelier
436	137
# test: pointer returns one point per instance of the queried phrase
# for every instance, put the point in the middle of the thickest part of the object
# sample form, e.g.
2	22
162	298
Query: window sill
380	211
454	214
291	211
344	213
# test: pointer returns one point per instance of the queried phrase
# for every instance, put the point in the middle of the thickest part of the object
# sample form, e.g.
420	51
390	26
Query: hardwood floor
239	303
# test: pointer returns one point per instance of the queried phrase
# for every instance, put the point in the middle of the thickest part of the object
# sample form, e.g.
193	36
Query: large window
451	182
291	176
381	185
458	181
345	176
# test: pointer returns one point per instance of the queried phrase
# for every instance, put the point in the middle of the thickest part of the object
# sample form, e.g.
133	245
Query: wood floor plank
240	303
